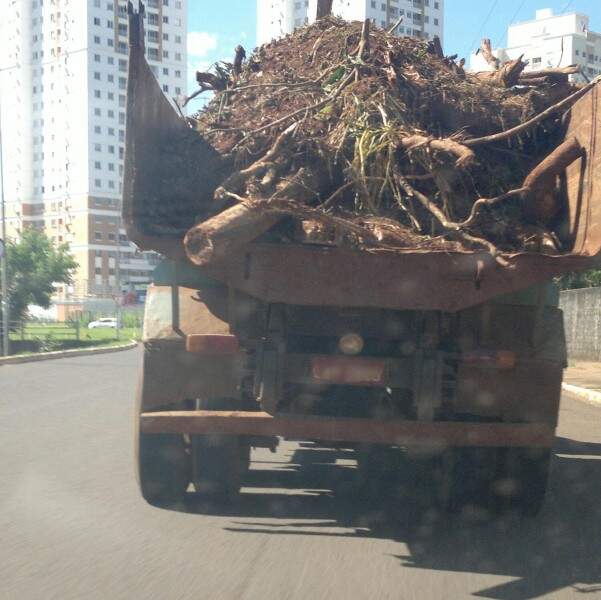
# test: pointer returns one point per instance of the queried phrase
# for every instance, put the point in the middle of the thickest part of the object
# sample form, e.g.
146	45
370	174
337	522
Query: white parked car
108	322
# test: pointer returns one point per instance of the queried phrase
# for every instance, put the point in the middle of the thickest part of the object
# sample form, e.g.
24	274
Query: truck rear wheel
163	468
219	461
523	483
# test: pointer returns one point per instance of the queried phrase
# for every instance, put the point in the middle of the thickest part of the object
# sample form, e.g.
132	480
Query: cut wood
489	57
324	8
541	203
465	156
505	76
224	234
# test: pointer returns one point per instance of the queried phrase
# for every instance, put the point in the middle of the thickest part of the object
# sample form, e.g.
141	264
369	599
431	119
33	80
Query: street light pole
3	259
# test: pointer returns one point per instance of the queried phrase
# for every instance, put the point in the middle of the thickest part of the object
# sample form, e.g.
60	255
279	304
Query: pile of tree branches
342	133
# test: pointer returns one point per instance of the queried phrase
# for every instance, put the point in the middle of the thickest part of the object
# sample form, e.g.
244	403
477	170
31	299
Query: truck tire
163	462
473	473
219	461
523	484
163	468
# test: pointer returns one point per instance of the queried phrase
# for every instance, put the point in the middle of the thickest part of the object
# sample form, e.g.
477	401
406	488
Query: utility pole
118	274
3	259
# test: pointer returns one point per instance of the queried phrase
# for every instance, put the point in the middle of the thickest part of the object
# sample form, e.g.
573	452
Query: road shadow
316	494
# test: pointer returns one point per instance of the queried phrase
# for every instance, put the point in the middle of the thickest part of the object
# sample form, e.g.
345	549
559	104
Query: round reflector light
351	343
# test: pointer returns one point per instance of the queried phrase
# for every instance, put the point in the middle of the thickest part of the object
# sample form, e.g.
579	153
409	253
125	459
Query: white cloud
200	43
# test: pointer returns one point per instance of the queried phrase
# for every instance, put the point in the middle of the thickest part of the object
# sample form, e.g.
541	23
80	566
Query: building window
178	39
122	65
111	184
97	129
165	71
122	83
97	39
153	54
110	24
96	76
97	165
178	74
121	118
122	29
121	100
110	96
166	19
165	88
165	54
111	236
111	131
436	22
96	21
165	37
98	234
96	57
110	42
110	114
111	149
97	148
178	91
110	60
96	112
178	56
110	78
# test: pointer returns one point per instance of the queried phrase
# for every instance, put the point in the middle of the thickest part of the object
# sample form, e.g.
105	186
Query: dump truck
432	353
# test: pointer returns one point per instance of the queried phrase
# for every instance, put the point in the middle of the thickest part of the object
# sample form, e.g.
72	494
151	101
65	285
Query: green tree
34	266
582	279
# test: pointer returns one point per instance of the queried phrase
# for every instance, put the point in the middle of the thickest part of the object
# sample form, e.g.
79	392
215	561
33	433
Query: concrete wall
582	316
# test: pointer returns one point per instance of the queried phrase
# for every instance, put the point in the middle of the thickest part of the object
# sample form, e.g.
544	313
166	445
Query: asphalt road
72	525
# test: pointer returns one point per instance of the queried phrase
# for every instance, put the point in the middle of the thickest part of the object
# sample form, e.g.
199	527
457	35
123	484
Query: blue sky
213	34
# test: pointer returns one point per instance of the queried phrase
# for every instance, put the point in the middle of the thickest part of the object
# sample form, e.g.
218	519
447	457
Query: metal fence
38	330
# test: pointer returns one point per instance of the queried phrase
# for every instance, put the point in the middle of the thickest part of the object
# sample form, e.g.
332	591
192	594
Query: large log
489	57
506	76
324	8
541	203
224	234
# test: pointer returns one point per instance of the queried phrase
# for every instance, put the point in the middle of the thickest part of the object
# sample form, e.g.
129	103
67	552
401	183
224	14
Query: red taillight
500	359
212	344
348	370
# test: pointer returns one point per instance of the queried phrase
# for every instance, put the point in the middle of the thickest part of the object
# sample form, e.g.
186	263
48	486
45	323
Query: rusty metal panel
316	276
168	166
170	375
391	432
193	316
584	176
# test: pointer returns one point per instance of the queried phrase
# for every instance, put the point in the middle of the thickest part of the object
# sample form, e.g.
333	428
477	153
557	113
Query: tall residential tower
421	18
63	80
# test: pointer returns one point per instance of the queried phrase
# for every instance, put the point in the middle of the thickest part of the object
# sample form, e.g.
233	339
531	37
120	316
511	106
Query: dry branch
505	76
465	156
490	58
541	203
324	8
503	135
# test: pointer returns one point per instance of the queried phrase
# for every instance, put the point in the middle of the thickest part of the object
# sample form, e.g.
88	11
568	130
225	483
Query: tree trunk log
465	156
226	233
541	203
490	58
506	76
324	8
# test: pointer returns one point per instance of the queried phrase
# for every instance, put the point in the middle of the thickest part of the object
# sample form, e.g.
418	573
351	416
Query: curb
584	394
15	360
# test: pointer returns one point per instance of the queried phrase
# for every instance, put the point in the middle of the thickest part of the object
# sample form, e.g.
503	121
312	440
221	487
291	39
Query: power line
488	16
565	8
513	18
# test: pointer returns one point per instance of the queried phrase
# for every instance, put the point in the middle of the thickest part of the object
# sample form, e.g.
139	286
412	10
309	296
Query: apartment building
63	80
551	40
421	18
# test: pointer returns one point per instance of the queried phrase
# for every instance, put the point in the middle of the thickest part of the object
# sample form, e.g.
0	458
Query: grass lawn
48	337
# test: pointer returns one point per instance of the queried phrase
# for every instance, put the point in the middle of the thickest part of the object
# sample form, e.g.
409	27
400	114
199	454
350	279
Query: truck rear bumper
392	432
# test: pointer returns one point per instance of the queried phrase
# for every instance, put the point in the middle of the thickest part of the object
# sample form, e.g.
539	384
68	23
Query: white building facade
63	80
550	41
421	18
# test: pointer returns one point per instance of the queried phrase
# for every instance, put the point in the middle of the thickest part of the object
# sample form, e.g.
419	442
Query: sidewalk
583	379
